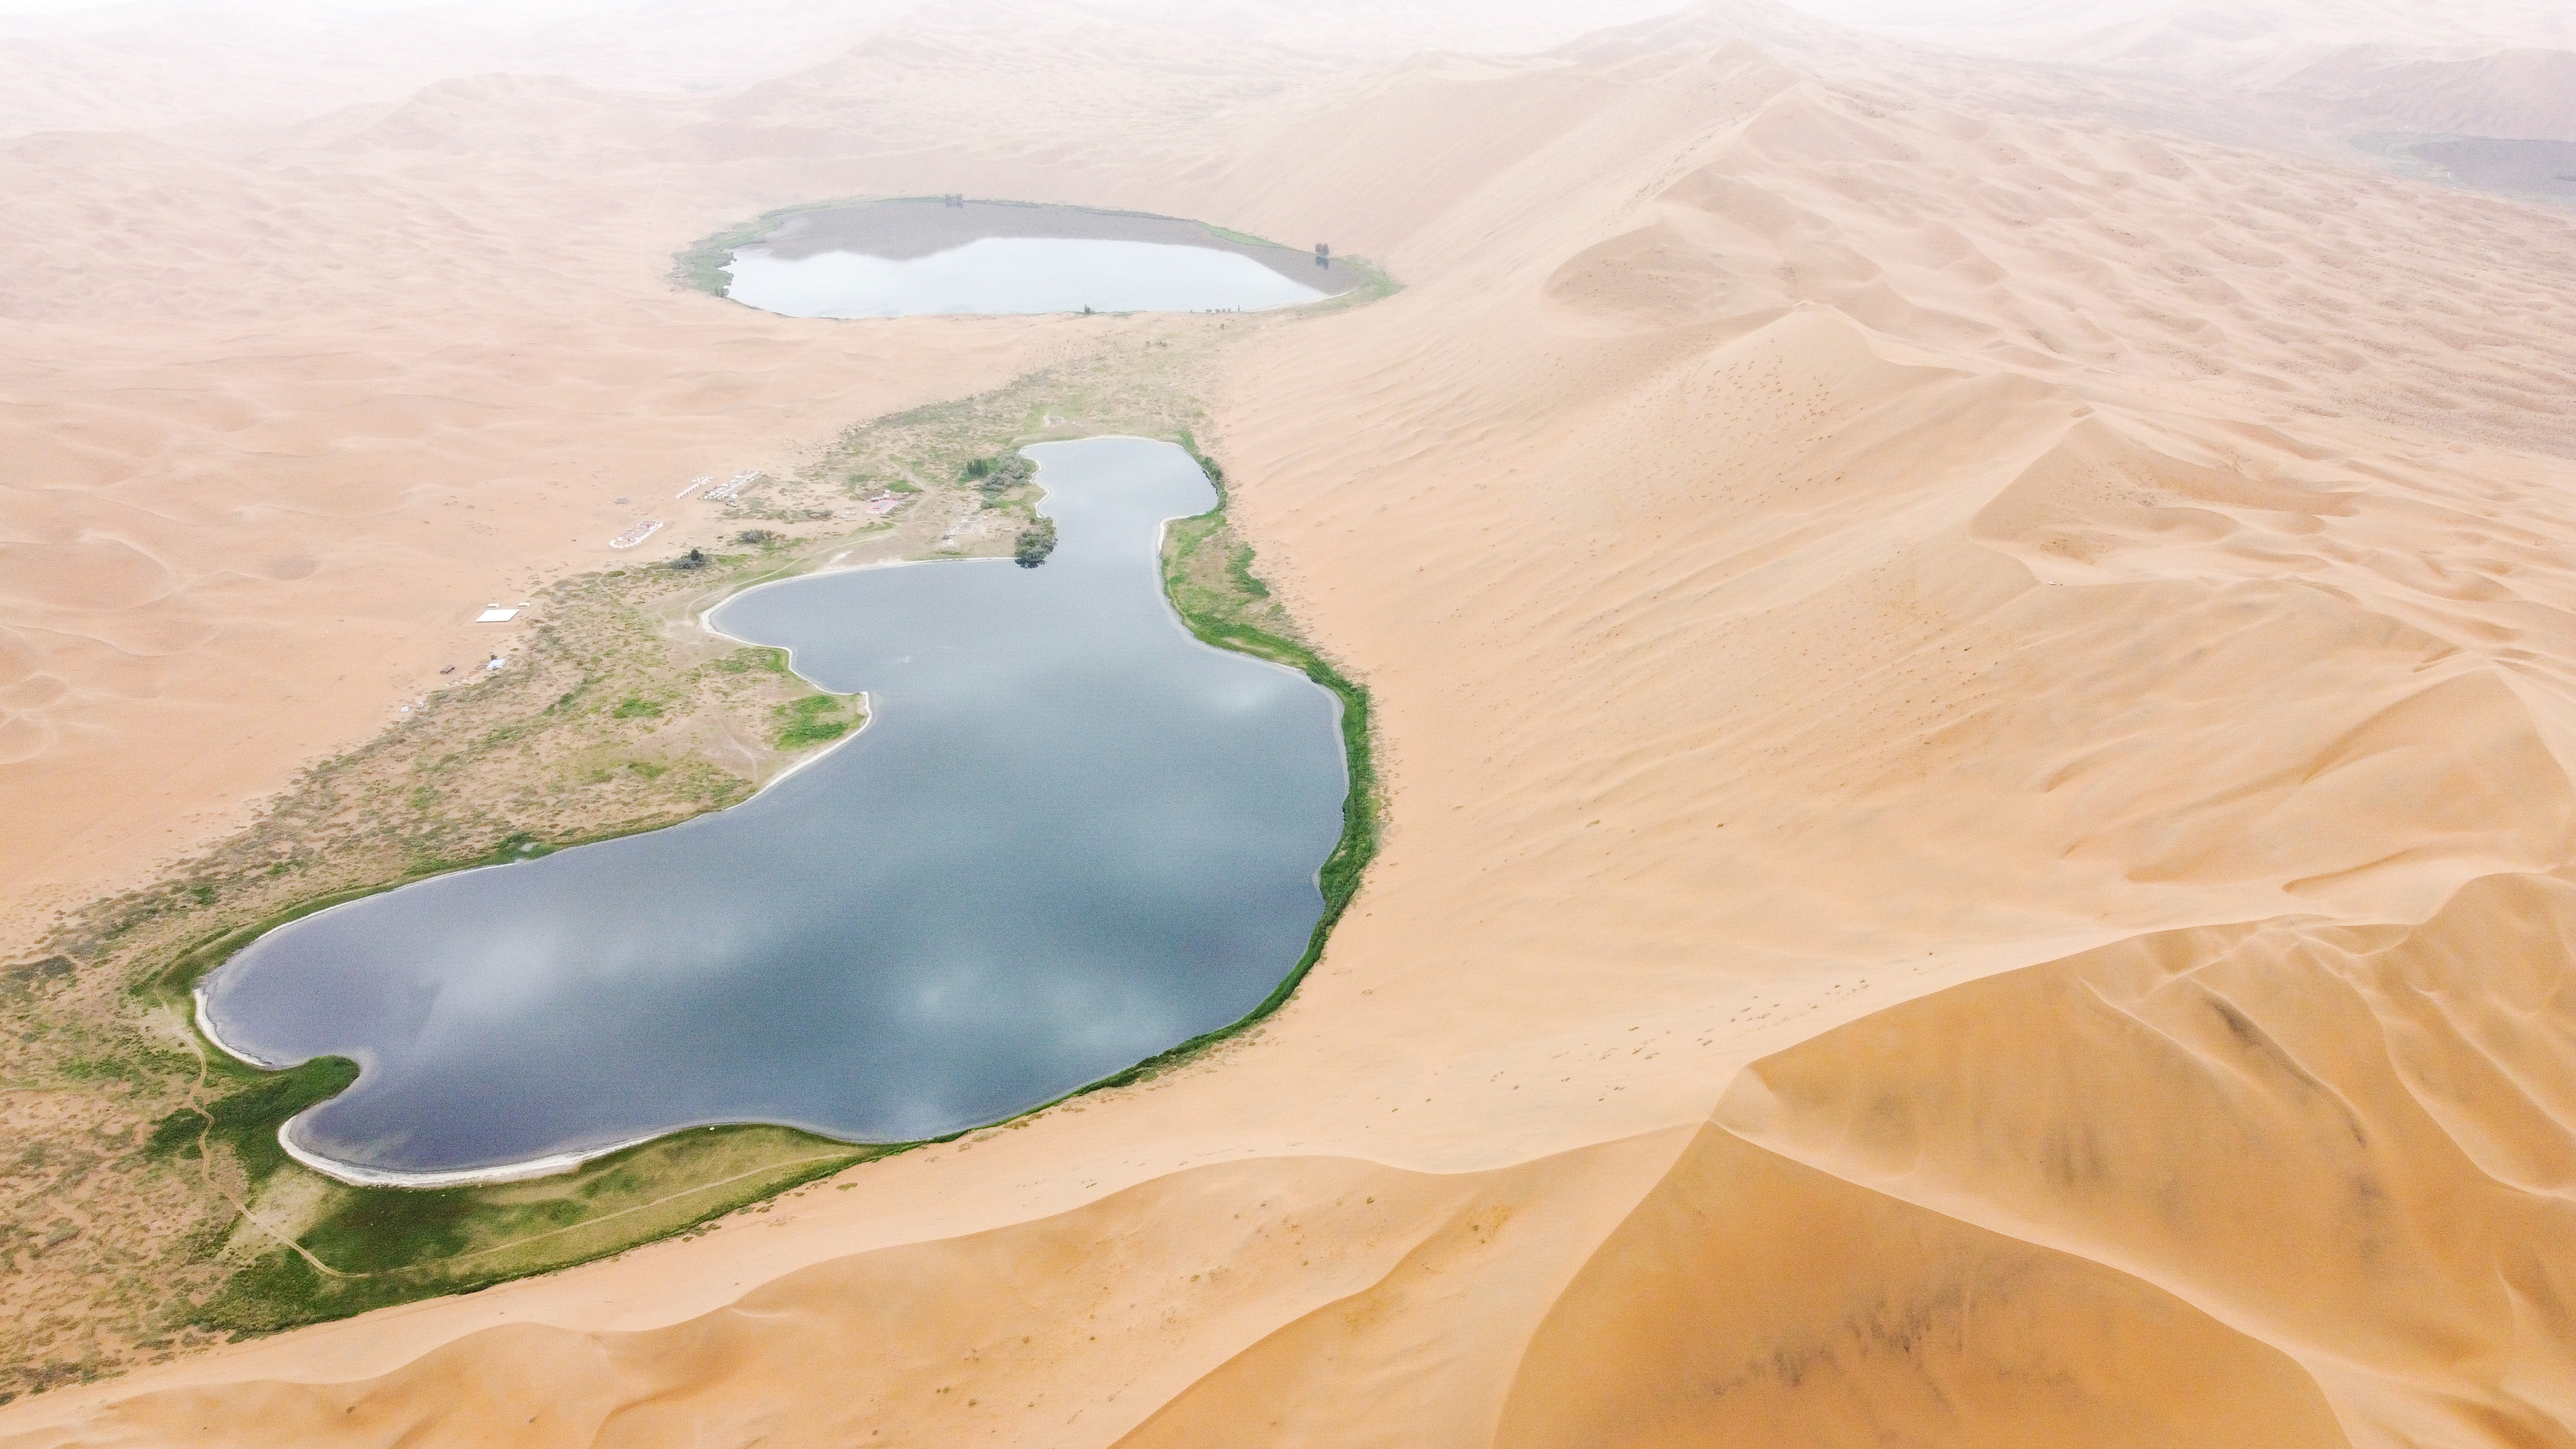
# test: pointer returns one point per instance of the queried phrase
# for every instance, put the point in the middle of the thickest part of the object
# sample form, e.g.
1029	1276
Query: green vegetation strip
701	268
1207	572
389	1245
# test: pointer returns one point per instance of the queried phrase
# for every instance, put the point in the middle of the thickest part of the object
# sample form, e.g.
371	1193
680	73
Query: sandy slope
1978	709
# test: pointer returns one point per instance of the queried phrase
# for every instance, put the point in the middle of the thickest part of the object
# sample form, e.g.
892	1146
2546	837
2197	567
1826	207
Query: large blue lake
1070	837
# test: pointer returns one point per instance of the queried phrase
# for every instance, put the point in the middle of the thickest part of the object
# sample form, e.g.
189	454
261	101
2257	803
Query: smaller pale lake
1070	836
1013	275
928	257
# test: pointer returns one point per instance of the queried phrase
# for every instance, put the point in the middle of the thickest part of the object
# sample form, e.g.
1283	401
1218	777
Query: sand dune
2289	67
1978	700
2405	1088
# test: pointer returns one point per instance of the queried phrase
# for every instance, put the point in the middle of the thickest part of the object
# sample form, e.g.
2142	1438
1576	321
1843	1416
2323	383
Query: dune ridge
1978	715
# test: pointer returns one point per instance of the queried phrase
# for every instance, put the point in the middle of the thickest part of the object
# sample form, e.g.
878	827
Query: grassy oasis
361	1247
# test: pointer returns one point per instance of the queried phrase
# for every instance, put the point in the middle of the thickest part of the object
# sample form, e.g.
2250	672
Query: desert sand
1977	683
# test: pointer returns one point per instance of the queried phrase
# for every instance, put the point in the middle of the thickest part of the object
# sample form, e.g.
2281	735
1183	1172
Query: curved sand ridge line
1977	715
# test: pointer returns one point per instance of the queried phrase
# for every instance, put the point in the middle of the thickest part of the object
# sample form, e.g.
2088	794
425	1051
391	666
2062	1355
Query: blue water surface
1070	837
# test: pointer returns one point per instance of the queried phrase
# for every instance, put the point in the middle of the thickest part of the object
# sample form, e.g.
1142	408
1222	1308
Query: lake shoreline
903	229
1278	653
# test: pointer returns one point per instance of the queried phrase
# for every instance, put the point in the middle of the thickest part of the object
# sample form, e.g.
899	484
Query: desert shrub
999	474
1036	542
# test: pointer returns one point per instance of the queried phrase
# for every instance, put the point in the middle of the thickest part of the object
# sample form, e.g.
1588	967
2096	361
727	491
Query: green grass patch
762	658
700	267
388	1245
246	1119
1243	238
816	719
1374	285
1238	567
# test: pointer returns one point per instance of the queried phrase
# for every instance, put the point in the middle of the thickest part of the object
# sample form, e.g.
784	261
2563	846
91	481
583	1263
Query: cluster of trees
999	474
1036	542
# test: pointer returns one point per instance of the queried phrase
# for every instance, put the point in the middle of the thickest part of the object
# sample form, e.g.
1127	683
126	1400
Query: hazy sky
1862	11
508	12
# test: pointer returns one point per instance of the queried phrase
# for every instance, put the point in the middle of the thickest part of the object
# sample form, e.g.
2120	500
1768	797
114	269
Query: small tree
1036	542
